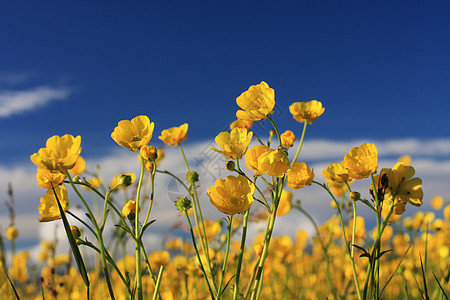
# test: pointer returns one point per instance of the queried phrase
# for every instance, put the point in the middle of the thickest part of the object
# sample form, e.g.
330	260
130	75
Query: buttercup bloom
49	208
241	124
437	202
175	135
252	155
285	204
361	161
60	153
233	144
19	270
336	172
257	102
300	175
274	163
288	138
232	195
133	134
95	182
129	208
79	167
12	233
306	111
149	153
47	179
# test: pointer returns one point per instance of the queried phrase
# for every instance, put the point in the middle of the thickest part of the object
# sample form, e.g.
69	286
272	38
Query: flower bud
149	153
230	165
77	179
183	204
355	196
76	231
192	177
125	180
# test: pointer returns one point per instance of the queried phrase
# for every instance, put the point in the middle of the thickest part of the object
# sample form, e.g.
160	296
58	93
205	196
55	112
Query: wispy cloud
16	102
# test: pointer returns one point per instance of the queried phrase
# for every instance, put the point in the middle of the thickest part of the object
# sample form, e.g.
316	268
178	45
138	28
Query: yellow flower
12	233
60	153
288	138
437	202
47	178
159	258
129	208
232	195
133	134
79	167
48	207
285	204
252	155
300	175
405	159
257	102
401	183
446	212
274	163
361	161
175	135
149	153
306	111
18	270
95	182
336	172
337	188
119	177
241	124
233	144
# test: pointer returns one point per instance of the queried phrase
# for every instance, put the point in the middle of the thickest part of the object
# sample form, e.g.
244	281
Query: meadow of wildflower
401	258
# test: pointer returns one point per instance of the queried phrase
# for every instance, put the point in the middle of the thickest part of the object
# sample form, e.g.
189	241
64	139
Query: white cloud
431	160
15	102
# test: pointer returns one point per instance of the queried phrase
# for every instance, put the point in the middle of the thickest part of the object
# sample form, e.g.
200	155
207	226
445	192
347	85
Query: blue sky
380	69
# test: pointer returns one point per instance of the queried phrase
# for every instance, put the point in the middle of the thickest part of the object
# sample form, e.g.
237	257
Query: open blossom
252	155
60	153
133	134
49	207
18	270
175	135
306	111
79	167
257	102
300	175
232	195
361	161
336	172
241	124
233	144
48	179
273	163
288	138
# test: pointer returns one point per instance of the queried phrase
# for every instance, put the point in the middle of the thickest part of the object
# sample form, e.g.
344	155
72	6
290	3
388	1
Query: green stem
158	282
241	255
276	129
300	144
225	262
136	233
198	254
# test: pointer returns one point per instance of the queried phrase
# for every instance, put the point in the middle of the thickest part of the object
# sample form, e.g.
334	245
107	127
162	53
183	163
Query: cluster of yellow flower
217	257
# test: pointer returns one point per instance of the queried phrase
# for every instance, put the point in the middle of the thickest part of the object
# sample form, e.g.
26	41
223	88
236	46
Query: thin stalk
276	129
225	262
158	282
300	144
136	232
241	255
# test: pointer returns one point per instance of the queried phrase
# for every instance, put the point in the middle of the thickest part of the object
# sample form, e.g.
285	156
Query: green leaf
383	252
